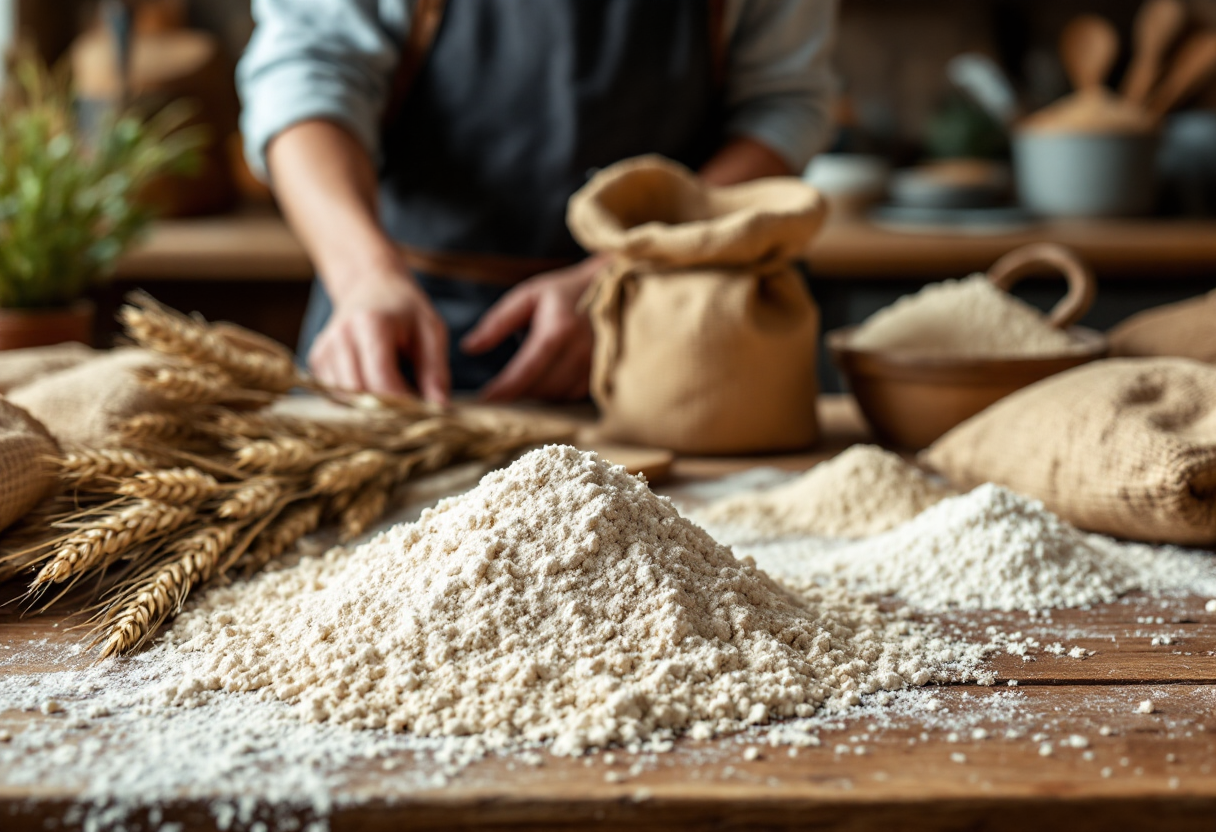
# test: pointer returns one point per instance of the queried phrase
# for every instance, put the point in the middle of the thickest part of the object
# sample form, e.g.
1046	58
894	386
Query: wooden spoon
1157	25
1192	68
1088	48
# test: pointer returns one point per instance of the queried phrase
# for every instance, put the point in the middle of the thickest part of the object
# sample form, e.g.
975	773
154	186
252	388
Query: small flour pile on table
863	491
987	549
969	318
559	599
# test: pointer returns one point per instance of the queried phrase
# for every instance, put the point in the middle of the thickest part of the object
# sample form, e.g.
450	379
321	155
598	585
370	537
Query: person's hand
375	320
554	361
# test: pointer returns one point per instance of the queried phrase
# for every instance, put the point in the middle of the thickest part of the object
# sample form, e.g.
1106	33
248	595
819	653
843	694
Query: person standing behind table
424	152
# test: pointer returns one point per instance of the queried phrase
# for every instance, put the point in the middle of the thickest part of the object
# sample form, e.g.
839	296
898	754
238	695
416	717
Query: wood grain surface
915	771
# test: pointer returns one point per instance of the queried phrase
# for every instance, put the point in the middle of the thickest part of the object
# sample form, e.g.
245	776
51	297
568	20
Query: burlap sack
1126	447
1186	329
18	367
706	336
86	405
27	472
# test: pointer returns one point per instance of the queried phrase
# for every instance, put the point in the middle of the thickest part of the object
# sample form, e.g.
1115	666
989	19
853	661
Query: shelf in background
255	244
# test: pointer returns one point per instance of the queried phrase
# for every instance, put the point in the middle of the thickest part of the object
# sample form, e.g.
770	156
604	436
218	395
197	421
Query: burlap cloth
1126	447
18	367
27	471
86	405
706	336
1186	330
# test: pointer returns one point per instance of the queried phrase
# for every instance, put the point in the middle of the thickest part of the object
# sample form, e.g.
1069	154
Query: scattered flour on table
558	600
968	318
863	491
987	549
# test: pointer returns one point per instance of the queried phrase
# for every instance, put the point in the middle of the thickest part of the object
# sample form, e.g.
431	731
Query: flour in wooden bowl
863	491
970	318
558	600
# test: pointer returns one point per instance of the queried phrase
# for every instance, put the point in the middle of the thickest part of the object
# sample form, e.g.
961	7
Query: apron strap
492	269
424	27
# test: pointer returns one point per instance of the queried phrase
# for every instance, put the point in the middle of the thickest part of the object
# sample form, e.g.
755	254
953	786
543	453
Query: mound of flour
863	491
968	318
987	549
559	599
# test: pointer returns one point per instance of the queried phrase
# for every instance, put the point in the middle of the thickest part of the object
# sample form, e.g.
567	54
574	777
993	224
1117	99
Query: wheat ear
180	486
86	466
157	427
350	472
252	498
172	333
100	541
295	522
277	455
192	561
363	510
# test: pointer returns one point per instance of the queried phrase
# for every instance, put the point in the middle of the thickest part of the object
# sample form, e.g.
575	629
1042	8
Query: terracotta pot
20	328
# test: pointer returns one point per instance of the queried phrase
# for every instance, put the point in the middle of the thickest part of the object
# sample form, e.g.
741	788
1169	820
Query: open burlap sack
18	367
1126	447
86	405
706	336
1186	330
27	473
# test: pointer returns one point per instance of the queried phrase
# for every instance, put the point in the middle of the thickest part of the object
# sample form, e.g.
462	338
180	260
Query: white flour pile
861	492
968	318
987	549
559	599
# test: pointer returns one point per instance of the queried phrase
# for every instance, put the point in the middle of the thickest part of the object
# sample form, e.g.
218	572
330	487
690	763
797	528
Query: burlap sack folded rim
27	474
764	220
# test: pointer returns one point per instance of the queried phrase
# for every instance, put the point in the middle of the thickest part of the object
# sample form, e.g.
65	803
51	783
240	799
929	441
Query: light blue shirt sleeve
335	60
319	59
780	84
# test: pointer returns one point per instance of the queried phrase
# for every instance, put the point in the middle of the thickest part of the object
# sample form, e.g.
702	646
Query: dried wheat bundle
220	483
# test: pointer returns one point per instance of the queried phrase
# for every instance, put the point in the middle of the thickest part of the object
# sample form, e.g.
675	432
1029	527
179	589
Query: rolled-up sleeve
780	83
320	59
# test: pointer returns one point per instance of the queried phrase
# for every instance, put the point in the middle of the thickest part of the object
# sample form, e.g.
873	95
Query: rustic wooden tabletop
1066	748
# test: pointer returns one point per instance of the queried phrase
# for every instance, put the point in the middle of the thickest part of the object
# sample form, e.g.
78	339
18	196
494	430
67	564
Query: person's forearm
326	185
742	159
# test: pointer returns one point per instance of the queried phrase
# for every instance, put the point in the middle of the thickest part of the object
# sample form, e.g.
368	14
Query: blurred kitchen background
935	172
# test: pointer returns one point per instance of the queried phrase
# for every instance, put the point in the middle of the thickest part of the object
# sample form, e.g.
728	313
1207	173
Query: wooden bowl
911	400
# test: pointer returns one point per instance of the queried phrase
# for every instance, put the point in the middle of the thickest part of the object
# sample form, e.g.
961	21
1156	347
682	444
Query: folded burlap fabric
706	336
18	367
1126	447
27	470
85	406
1186	329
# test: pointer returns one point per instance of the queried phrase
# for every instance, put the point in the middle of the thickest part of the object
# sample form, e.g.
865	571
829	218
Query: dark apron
517	103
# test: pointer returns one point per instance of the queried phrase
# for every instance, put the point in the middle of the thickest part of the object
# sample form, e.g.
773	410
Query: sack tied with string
706	336
1126	447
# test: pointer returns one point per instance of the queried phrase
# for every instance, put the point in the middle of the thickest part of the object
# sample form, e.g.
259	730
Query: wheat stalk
252	498
99	541
295	522
179	486
166	331
193	560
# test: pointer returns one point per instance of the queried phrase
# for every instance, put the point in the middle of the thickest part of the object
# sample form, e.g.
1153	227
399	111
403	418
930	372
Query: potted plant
69	200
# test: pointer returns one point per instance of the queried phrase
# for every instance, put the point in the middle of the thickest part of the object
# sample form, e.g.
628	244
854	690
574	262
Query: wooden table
1137	771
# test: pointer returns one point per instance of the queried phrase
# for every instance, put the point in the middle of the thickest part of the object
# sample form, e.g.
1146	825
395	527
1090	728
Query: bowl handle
1046	257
